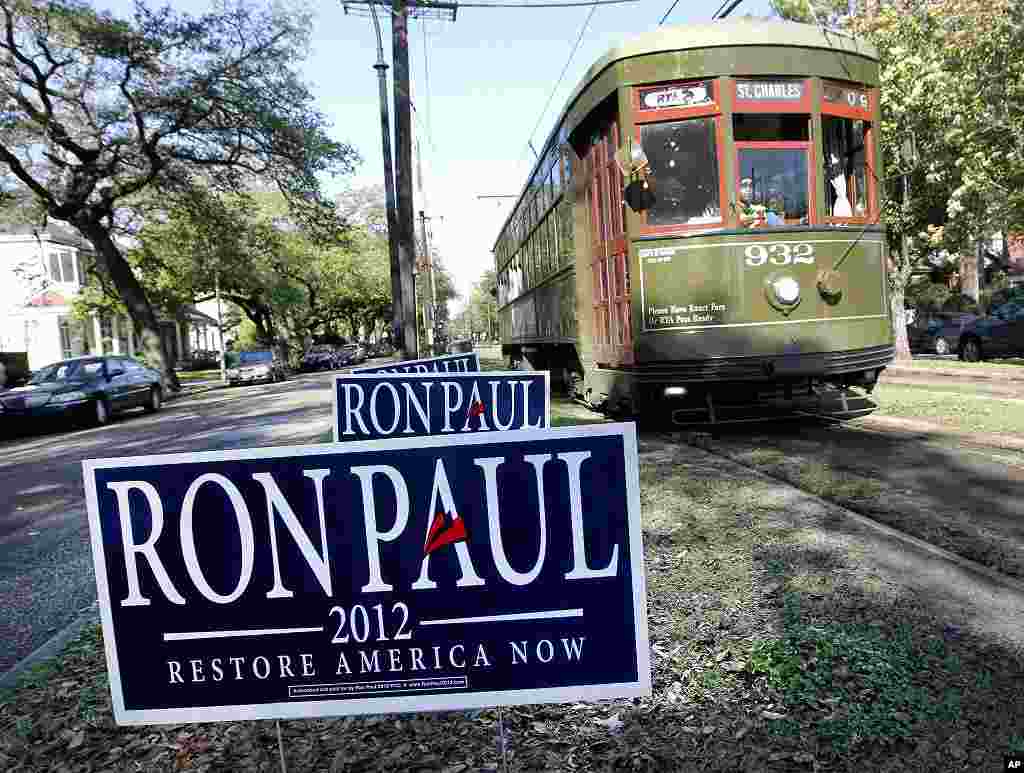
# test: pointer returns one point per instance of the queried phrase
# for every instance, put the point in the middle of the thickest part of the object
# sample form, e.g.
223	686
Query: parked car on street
381	349
351	354
92	388
938	332
260	365
319	357
1000	334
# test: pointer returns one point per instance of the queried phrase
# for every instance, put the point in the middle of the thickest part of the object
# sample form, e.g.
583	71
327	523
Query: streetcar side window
845	167
684	164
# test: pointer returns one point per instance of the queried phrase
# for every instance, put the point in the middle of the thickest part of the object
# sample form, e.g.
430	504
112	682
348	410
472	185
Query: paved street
46	577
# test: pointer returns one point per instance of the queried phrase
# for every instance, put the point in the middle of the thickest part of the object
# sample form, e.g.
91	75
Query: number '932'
779	253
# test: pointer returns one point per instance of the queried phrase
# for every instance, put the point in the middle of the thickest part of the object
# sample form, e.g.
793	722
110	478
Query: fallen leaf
613	723
76	740
772	715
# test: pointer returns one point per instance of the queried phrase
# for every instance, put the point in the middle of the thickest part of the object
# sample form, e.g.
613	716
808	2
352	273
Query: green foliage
828	12
873	684
930	296
480	316
140	111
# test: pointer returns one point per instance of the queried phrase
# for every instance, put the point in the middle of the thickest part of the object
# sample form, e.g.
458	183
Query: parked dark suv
1000	334
938	332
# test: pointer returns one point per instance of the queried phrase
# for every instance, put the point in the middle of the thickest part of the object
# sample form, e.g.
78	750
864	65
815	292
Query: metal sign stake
501	740
280	746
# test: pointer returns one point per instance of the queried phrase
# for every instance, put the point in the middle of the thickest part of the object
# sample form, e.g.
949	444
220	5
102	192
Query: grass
955	409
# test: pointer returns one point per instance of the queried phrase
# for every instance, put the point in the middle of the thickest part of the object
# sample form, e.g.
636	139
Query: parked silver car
262	365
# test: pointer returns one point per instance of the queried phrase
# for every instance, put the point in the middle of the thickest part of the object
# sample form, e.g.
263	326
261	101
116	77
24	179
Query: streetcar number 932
779	253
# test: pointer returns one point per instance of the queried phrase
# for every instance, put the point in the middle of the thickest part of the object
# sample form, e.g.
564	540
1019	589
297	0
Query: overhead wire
593	3
561	76
721	14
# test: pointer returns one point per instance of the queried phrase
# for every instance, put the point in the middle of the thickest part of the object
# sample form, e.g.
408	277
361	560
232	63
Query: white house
41	272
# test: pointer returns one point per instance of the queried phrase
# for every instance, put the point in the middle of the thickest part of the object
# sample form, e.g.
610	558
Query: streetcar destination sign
369	406
421	574
448	363
769	91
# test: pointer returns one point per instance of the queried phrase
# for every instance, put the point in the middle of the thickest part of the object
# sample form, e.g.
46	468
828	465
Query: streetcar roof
724	33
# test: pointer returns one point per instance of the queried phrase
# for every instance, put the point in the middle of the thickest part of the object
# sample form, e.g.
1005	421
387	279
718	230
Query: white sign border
440	358
472	374
389	704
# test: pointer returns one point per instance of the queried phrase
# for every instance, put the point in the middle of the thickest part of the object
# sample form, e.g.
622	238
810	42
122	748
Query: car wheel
942	346
971	350
156	400
101	412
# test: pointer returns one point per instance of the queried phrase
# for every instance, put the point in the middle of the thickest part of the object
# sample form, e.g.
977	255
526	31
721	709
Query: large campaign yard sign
433	573
371	406
448	363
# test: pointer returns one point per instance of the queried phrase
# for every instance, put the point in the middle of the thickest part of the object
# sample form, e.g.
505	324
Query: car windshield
67	371
247	358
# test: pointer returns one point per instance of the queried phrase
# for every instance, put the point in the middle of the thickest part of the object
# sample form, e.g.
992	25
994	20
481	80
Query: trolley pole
403	178
389	180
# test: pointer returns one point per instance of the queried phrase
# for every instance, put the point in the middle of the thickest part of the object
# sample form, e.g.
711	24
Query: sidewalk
954	369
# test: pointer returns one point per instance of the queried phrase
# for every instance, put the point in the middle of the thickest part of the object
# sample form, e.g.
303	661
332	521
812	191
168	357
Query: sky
479	85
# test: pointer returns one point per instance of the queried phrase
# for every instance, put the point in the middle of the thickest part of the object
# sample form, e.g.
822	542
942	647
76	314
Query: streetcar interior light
675	391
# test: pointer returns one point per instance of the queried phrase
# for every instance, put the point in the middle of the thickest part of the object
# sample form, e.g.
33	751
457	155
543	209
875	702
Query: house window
107	333
62	266
67	349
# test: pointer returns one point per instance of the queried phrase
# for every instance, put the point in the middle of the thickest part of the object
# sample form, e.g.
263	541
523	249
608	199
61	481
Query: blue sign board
424	574
370	406
448	363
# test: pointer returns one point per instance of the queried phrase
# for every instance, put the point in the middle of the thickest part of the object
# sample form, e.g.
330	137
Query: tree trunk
900	269
899	322
147	329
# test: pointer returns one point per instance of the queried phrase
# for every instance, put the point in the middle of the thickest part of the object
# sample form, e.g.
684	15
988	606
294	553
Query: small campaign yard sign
369	406
448	363
423	574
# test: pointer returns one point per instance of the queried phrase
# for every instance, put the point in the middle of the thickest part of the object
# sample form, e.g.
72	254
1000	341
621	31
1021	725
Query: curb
52	647
969	566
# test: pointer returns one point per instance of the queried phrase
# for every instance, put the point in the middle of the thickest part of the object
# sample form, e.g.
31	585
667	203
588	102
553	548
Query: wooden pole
405	227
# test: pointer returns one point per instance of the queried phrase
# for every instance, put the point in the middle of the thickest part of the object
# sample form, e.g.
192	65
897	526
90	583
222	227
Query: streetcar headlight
787	290
675	391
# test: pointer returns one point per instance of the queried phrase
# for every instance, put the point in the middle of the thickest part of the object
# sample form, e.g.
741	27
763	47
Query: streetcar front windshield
776	179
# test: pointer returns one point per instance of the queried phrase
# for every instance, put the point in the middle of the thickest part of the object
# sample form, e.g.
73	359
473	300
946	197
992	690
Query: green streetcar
700	236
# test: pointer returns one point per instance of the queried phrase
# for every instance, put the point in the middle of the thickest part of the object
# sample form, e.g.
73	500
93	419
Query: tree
98	110
951	77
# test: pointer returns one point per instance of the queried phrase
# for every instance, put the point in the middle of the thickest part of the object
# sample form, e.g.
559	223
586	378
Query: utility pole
389	179
220	331
403	177
401	237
